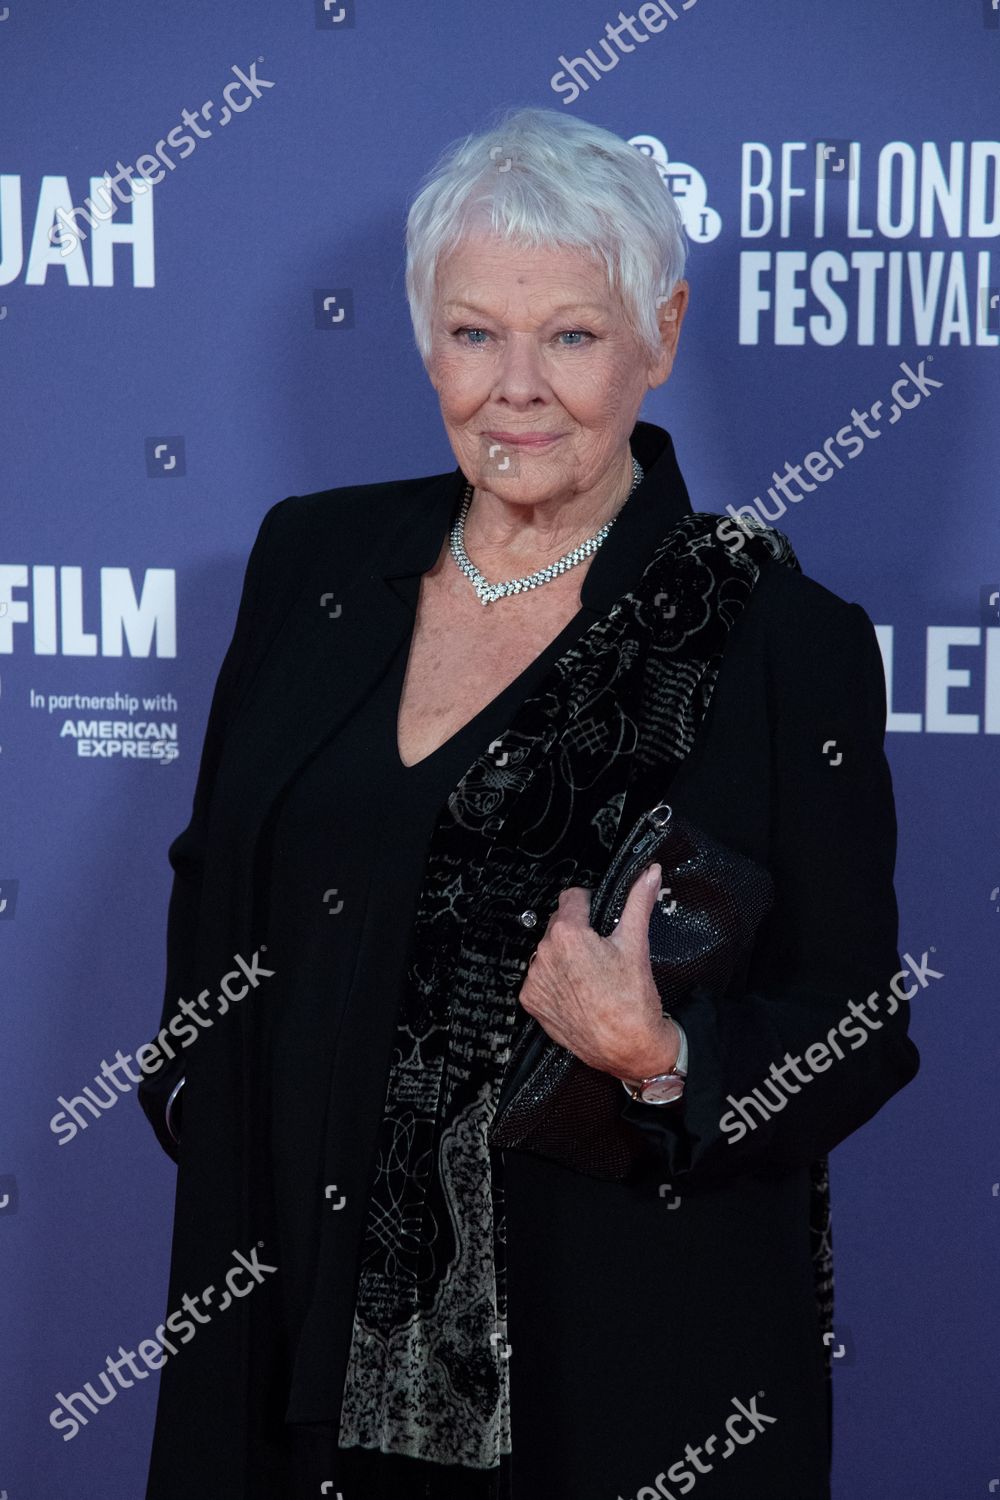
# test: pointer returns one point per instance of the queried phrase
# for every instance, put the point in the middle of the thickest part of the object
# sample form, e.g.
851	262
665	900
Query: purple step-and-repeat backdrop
234	329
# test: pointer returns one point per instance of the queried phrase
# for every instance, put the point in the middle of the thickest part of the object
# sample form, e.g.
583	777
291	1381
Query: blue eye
468	336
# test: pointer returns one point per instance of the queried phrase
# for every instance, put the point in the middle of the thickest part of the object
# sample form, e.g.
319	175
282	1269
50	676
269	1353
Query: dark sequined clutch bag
700	927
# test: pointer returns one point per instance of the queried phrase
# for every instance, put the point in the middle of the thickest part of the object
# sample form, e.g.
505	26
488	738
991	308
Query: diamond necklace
487	591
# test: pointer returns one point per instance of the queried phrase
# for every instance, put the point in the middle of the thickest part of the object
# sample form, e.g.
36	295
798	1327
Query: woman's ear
670	315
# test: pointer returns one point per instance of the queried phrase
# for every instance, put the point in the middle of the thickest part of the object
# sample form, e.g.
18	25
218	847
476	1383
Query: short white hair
545	179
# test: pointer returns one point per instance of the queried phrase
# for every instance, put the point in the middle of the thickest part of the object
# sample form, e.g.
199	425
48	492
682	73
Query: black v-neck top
365	819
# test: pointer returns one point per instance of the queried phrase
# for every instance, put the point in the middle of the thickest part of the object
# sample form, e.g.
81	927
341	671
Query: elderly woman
446	705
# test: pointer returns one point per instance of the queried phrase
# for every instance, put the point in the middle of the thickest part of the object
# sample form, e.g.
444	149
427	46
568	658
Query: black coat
656	1308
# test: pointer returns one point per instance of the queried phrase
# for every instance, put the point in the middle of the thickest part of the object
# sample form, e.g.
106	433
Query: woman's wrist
659	1056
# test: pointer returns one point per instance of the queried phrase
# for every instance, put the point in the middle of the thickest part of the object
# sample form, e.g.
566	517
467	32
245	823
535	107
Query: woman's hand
596	996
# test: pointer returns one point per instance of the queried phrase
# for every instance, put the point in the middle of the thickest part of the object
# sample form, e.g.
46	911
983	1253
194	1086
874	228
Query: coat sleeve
186	852
828	941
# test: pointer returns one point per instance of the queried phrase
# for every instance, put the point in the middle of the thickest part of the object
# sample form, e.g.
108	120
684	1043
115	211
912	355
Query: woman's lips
524	439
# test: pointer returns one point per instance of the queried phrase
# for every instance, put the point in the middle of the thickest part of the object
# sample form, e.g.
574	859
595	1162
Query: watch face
662	1091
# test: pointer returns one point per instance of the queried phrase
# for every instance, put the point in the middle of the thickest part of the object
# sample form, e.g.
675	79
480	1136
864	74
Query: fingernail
653	875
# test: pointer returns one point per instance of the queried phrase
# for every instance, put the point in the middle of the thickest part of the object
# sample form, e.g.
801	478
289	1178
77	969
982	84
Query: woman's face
531	358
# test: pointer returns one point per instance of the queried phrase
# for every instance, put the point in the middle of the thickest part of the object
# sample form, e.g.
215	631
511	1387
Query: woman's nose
520	377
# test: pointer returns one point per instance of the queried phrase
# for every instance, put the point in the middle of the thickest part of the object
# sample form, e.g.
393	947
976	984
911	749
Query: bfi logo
56	612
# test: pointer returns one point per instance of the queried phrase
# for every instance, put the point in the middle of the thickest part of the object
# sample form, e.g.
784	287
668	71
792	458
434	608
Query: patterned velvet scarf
426	1374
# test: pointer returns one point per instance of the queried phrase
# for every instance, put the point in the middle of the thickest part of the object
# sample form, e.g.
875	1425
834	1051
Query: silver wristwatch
662	1088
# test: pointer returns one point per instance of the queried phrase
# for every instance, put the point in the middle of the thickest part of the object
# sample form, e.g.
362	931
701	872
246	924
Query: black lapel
334	645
